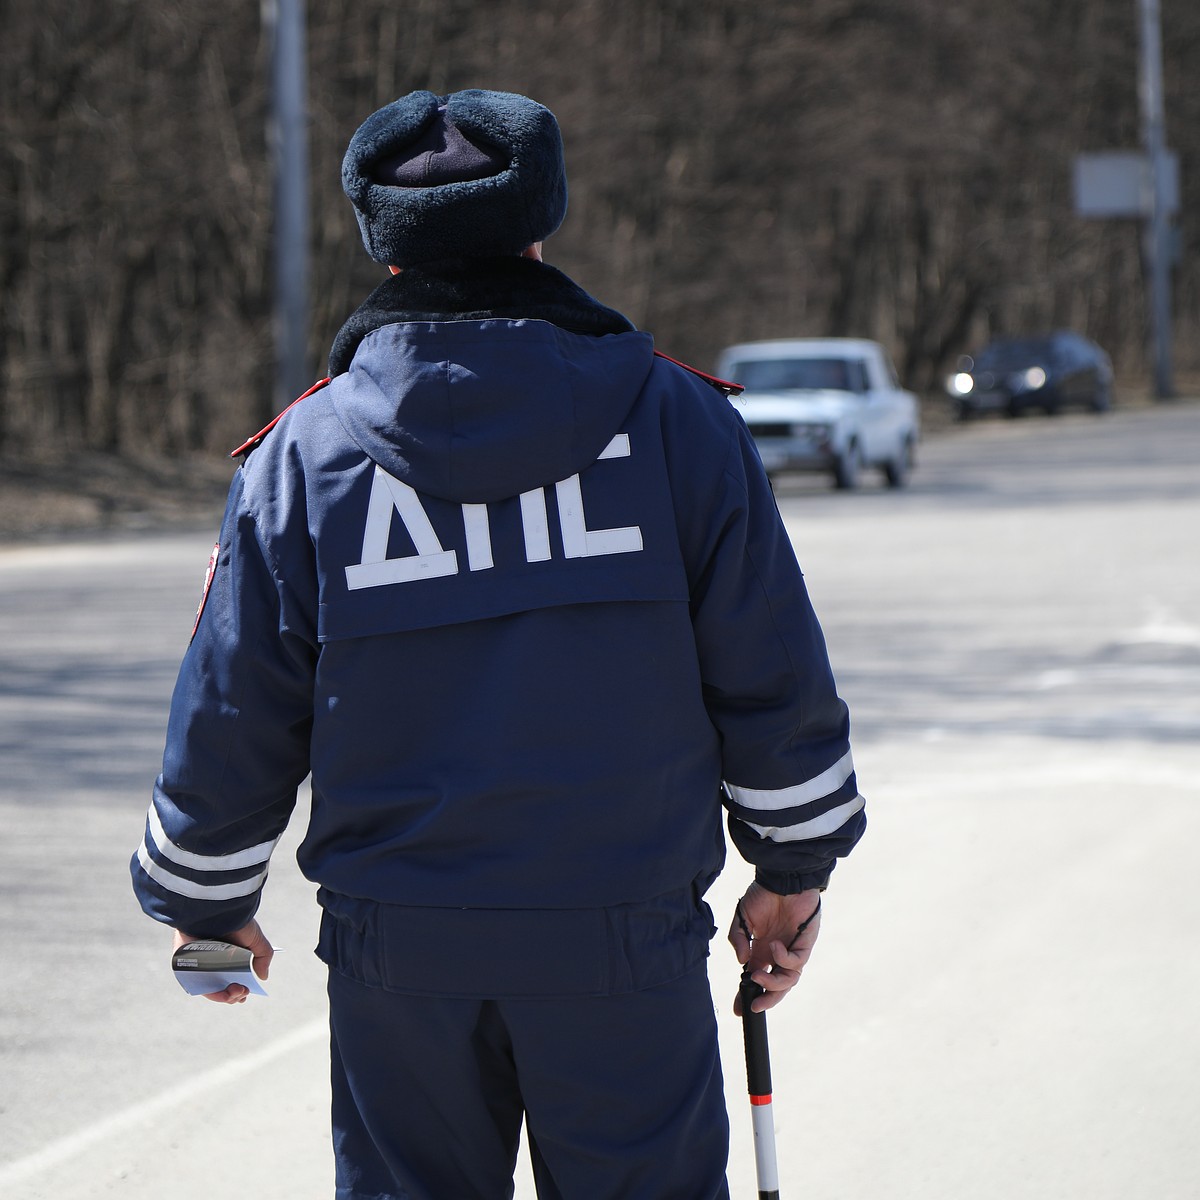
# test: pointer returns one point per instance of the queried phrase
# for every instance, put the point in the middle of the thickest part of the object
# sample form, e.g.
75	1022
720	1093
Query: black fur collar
474	289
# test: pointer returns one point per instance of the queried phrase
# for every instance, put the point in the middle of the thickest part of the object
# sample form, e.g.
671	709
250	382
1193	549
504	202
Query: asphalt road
1004	999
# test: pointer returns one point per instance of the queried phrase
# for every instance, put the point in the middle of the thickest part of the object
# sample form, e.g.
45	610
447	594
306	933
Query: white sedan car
825	404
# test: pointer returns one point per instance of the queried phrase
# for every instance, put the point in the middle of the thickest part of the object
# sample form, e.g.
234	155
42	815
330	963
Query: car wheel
898	469
1101	398
848	468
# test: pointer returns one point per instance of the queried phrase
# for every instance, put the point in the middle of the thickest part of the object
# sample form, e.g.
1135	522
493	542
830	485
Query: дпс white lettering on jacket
390	496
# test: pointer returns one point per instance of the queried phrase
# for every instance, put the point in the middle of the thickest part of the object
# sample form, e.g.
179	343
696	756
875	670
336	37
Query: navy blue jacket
519	598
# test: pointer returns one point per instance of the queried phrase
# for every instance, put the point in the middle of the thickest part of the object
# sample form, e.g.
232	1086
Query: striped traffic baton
758	1068
758	1082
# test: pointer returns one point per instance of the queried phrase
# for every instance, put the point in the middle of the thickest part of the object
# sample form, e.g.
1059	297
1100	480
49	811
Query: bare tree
890	168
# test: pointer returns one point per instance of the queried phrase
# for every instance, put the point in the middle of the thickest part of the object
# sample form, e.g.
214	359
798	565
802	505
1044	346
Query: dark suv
1050	373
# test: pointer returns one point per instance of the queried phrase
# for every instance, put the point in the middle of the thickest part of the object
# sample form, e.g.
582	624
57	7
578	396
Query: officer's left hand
775	935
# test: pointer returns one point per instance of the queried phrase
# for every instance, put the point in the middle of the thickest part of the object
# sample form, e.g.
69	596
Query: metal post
287	136
1157	236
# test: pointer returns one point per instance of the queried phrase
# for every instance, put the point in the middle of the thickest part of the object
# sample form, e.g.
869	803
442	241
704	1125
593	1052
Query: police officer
513	588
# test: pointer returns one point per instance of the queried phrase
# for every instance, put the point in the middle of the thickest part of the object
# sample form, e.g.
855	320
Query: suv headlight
961	384
1028	380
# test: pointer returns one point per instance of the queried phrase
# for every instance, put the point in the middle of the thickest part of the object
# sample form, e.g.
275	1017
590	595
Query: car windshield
791	374
1017	352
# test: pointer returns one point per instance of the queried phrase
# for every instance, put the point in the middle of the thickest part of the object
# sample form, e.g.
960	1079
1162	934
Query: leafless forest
900	169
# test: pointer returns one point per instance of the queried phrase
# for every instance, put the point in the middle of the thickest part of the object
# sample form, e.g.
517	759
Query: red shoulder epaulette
252	443
722	385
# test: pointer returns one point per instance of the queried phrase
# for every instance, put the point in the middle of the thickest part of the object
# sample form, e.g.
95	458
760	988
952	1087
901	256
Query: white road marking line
144	1112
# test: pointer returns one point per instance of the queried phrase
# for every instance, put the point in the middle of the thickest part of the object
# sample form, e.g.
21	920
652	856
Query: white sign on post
1120	183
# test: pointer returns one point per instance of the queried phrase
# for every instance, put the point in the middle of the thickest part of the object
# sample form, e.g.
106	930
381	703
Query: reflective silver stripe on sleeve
198	891
826	823
823	785
207	862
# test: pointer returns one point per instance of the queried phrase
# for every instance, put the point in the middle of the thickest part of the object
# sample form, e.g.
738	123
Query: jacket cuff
788	883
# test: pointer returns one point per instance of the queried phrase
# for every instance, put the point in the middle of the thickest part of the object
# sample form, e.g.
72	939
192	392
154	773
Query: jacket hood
475	403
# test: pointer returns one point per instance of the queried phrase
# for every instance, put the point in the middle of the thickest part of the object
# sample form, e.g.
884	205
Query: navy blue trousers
622	1095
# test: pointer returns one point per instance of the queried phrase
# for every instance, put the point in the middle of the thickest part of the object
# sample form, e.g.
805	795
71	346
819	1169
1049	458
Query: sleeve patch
208	579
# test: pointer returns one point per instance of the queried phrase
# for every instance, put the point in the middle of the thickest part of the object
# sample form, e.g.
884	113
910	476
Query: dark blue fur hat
461	176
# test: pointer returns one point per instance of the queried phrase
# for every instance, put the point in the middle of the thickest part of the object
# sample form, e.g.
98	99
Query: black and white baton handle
758	1082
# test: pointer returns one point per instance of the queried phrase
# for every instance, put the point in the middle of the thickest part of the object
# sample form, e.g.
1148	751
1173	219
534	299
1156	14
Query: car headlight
961	384
1034	378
